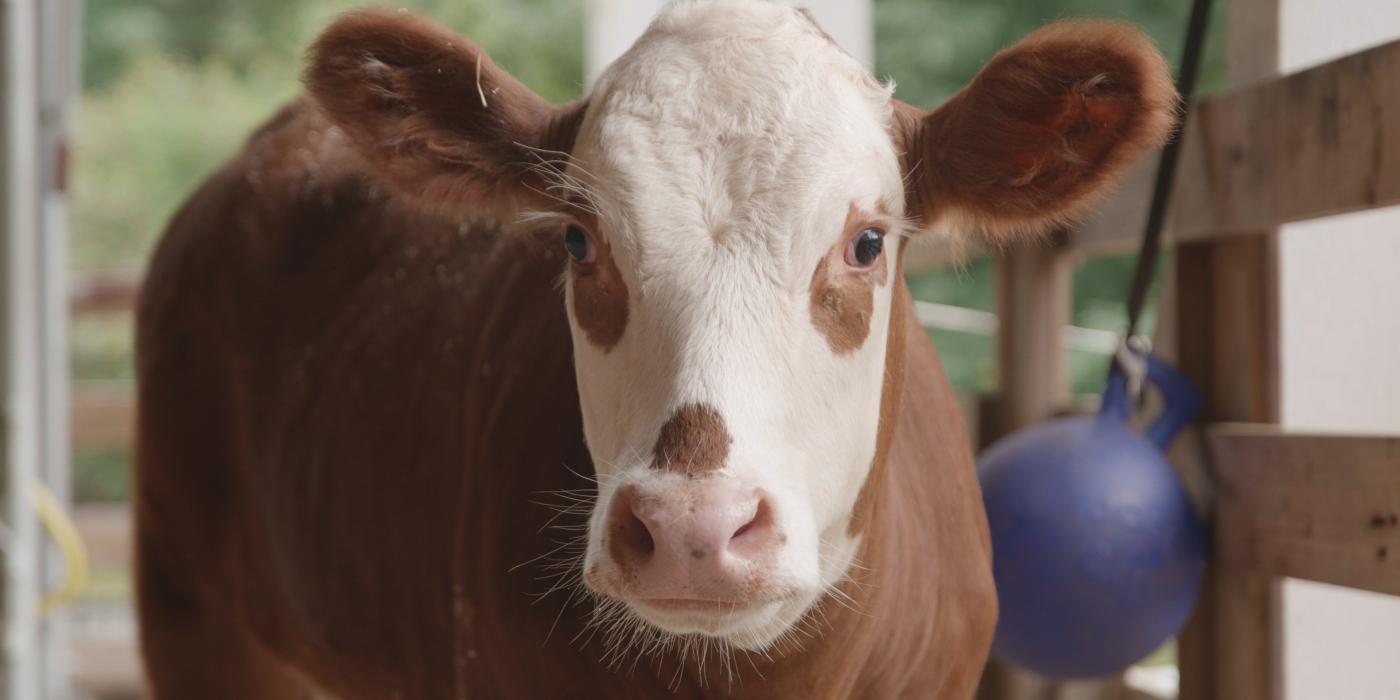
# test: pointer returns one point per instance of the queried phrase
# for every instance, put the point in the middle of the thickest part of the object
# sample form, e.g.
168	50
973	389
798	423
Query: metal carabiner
1131	357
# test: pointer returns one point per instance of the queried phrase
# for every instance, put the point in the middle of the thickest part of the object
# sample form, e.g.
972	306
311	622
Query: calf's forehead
710	200
733	67
748	132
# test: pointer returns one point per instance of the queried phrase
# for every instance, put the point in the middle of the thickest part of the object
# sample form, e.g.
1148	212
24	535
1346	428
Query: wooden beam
1227	327
1226	335
103	417
1316	143
1115	226
104	293
1319	507
1034	299
1321	142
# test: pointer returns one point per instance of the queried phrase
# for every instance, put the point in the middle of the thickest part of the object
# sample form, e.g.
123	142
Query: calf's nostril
638	536
757	527
631	538
635	534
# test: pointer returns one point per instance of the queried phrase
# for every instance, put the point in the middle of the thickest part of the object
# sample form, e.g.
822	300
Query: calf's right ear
433	117
1042	132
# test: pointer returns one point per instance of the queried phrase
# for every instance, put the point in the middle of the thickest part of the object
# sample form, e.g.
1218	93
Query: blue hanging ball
1098	553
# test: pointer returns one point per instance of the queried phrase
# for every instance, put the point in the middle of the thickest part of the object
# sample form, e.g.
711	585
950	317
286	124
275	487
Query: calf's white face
738	204
732	197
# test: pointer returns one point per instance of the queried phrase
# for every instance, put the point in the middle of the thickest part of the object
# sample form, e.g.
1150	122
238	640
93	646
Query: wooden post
1227	345
21	400
1034	300
1227	335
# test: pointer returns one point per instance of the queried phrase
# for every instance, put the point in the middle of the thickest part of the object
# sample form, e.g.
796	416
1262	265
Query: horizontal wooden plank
1320	142
1316	143
962	319
1319	507
935	251
106	532
1115	226
104	417
104	293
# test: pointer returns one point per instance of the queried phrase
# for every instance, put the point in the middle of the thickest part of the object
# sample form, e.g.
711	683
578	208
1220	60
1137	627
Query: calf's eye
865	248
579	245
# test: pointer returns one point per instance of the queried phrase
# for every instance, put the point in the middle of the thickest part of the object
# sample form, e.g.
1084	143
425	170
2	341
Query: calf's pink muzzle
692	543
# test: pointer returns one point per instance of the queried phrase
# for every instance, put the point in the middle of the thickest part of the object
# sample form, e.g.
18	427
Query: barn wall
1339	326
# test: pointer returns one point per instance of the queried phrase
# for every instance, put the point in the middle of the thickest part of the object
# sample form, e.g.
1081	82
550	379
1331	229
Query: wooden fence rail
1319	507
104	417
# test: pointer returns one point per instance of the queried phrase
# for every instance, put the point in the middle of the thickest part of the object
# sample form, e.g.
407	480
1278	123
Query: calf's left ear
1046	127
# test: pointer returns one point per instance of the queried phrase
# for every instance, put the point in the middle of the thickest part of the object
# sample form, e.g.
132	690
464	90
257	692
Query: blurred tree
172	87
931	48
540	40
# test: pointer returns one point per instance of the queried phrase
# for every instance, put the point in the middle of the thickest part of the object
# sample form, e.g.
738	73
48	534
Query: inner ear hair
433	116
1044	130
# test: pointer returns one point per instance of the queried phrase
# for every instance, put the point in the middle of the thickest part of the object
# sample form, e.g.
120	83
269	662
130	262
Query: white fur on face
723	153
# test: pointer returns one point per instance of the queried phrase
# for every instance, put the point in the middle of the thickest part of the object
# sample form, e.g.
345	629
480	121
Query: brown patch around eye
843	300
890	401
694	441
600	299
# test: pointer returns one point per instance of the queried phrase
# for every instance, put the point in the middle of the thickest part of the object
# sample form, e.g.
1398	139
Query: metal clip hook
1132	358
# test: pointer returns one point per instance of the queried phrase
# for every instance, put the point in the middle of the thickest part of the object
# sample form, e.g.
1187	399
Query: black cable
1166	168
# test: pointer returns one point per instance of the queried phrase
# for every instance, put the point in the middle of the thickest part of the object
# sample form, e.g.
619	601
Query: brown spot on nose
694	441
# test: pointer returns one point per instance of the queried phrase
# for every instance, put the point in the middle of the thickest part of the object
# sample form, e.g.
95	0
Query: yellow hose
64	534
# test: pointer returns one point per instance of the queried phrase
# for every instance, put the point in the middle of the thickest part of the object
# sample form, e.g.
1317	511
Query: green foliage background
172	87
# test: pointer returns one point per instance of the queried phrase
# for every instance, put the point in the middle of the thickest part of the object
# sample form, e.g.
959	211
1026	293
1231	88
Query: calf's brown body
347	408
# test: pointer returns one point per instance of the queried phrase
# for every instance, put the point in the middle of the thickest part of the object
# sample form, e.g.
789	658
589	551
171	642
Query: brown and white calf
354	385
